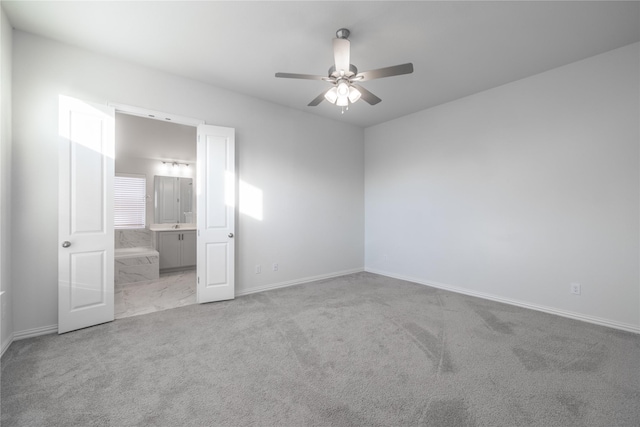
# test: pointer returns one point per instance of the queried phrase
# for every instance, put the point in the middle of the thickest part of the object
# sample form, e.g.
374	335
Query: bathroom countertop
171	227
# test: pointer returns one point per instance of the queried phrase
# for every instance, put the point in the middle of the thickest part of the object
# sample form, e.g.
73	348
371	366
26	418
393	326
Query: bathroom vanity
177	246
175	228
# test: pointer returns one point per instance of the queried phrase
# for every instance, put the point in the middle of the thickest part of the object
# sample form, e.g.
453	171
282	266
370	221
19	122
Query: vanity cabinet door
188	248
169	243
177	249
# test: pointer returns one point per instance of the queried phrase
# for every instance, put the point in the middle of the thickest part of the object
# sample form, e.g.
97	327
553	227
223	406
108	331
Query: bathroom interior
155	215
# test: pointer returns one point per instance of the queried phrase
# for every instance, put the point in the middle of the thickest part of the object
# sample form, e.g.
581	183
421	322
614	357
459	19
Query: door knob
230	234
66	244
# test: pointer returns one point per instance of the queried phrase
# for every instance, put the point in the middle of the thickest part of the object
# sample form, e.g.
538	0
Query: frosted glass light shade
342	95
331	95
343	89
354	94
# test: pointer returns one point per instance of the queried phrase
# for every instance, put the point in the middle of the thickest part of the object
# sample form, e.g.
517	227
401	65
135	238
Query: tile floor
169	291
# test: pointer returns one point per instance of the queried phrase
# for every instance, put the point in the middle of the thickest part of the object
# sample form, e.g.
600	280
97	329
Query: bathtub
139	264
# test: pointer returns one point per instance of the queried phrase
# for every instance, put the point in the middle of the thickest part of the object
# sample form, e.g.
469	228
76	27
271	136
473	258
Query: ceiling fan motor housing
352	71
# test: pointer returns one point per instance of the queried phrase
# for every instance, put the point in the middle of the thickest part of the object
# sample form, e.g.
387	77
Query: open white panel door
216	213
85	224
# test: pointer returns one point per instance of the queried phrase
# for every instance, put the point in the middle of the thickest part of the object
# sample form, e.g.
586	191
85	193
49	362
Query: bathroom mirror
173	200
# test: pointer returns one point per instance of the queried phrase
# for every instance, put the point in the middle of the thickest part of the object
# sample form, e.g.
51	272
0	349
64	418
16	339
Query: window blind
129	201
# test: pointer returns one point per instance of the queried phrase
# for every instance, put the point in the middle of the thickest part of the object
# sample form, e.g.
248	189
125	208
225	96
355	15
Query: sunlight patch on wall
251	201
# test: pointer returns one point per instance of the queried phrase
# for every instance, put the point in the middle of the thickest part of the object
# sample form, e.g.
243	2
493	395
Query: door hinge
198	280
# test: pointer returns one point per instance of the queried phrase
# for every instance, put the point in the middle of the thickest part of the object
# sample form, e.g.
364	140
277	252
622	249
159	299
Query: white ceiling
457	48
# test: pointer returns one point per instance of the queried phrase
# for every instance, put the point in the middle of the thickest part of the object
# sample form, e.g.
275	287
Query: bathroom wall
150	168
143	144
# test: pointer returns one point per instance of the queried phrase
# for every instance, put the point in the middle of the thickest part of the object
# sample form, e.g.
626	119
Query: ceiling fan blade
318	99
299	76
341	54
396	70
367	96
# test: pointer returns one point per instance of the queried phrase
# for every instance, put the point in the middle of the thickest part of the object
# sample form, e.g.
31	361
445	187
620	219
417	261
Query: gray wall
5	181
143	144
309	169
518	191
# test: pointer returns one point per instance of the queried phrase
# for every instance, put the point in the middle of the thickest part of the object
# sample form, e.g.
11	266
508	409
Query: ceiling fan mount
343	76
343	33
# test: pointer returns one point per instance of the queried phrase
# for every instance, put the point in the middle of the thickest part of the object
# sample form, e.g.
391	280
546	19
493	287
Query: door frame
166	117
170	118
155	115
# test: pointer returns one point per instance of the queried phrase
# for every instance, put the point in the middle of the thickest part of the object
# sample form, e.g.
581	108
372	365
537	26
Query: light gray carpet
360	350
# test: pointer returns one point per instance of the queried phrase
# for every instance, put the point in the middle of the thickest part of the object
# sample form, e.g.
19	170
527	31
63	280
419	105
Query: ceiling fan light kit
343	75
354	94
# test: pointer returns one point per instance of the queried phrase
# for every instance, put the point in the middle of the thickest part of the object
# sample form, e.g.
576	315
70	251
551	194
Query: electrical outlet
258	269
576	288
275	267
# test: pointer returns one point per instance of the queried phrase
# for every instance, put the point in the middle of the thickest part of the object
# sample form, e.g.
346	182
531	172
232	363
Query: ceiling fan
344	76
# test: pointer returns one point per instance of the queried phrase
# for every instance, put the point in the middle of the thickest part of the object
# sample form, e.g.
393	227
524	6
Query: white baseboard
569	314
297	281
35	332
5	345
28	333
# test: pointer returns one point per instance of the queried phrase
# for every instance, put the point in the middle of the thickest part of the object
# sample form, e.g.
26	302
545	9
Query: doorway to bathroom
154	215
86	212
